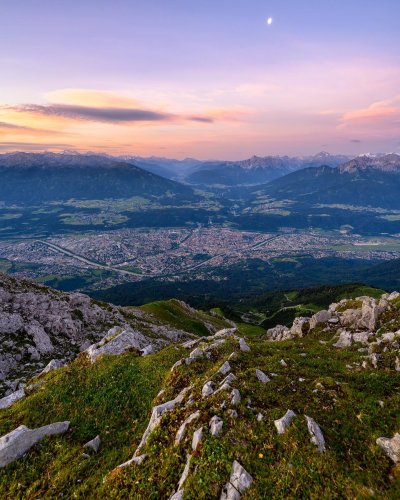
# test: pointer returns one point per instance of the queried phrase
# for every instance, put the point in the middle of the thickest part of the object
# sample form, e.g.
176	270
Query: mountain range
33	177
363	181
257	170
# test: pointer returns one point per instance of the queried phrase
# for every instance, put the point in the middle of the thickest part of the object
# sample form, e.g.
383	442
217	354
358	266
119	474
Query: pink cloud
381	116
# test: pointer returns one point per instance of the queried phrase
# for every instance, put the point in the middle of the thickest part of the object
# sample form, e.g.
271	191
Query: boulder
117	345
235	397
361	337
300	327
134	460
94	444
350	317
317	437
283	423
53	365
345	340
243	345
196	353
319	318
208	389
225	368
185	472
156	415
11	398
215	425
240	479
228	379
17	442
370	312
279	333
391	447
229	492
197	438
262	377
177	496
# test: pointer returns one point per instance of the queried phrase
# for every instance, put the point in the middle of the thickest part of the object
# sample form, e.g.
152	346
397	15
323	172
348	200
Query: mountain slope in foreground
307	411
39	325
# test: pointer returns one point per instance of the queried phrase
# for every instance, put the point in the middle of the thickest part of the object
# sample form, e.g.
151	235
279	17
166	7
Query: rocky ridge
39	325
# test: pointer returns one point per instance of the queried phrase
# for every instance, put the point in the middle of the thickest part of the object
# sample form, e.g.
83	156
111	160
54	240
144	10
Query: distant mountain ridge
40	177
387	163
362	181
258	170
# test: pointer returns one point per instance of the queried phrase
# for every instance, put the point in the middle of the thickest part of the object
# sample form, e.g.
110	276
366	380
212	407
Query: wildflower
260	455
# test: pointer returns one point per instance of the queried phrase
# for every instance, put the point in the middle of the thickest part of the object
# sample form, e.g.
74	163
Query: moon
269	21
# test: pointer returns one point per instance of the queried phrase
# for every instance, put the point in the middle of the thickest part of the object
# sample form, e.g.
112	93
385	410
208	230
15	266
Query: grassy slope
113	398
172	312
283	466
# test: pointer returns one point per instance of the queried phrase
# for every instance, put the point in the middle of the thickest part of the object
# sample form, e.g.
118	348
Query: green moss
349	304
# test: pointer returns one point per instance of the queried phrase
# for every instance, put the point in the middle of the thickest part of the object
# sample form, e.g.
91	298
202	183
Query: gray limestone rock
197	353
262	377
182	429
240	479
317	437
185	472
94	444
208	389
197	438
119	344
235	397
53	365
156	415
9	400
345	340
300	327
134	460
17	442
229	492
319	318
283	423
225	368
391	447
178	495
243	345
215	425
279	333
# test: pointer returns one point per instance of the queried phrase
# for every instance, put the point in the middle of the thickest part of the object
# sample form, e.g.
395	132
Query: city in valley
174	254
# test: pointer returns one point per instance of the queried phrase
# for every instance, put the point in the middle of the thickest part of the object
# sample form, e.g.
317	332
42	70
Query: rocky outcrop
279	333
39	326
17	442
115	344
319	318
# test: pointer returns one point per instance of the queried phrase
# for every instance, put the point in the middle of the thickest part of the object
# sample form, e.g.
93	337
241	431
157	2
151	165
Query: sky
206	79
